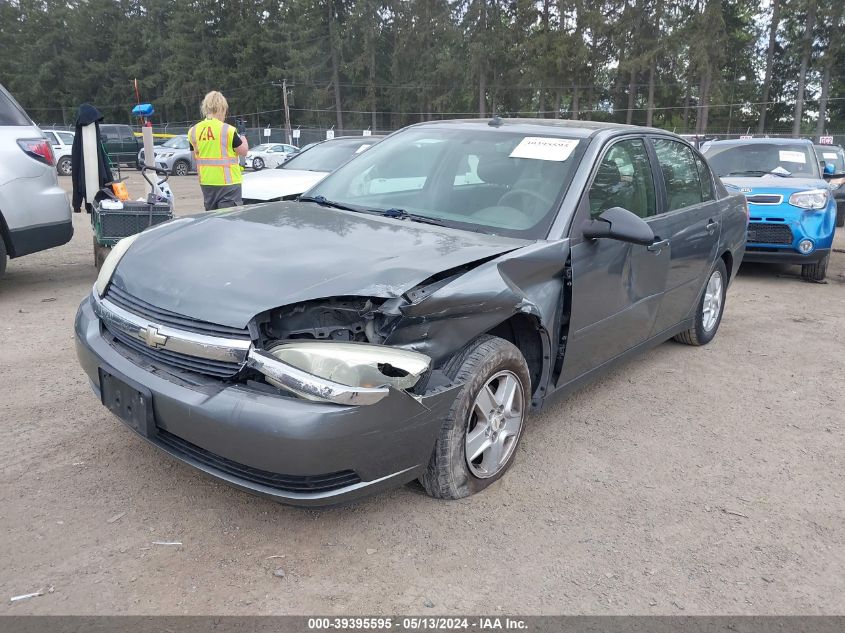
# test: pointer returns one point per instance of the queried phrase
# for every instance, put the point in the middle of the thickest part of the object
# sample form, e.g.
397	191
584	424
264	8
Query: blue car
792	214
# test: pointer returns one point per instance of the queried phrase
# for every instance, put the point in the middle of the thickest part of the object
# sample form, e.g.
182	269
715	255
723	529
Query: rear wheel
479	436
181	168
816	271
64	166
258	164
708	316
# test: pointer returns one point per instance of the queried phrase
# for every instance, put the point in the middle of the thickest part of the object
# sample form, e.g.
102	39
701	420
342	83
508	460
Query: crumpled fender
527	281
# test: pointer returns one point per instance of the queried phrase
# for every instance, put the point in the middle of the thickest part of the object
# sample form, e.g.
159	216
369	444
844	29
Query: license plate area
131	403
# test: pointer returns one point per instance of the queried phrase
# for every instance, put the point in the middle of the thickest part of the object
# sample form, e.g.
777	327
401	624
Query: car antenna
496	121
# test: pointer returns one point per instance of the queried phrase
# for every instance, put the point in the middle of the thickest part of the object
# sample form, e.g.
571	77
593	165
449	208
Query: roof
762	139
569	127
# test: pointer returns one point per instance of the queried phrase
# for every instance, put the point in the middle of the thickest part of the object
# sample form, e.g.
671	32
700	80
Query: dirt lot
689	481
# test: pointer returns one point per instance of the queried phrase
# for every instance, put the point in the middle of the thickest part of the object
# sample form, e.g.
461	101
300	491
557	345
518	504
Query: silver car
34	210
174	155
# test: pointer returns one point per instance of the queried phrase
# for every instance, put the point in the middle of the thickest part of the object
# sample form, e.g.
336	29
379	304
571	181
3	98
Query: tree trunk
372	82
482	95
805	62
632	94
820	123
649	113
335	67
575	91
686	106
558	98
770	58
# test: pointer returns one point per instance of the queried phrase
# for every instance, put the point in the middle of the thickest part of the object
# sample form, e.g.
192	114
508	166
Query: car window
706	179
127	136
761	158
325	156
624	179
680	174
67	138
10	112
408	172
51	138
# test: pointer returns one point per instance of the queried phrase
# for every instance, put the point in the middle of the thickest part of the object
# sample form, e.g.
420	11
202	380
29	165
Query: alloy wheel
495	423
712	307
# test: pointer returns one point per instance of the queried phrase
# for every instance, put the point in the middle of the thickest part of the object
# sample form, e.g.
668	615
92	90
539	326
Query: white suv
62	143
34	211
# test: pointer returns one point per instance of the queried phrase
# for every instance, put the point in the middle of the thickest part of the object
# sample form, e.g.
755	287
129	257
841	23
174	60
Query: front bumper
291	450
784	256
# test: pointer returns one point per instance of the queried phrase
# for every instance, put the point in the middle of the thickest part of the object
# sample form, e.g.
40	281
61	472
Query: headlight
107	269
167	155
345	373
813	199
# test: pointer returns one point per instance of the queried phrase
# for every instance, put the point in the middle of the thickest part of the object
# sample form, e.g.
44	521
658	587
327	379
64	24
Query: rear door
617	287
689	219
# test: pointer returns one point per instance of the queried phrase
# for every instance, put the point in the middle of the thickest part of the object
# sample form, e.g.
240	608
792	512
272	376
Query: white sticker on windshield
829	155
544	148
787	156
361	149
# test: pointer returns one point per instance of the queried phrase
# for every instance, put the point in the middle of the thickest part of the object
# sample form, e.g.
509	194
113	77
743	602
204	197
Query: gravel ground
689	481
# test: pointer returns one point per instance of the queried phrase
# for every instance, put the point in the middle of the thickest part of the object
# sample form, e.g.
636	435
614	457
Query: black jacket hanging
86	115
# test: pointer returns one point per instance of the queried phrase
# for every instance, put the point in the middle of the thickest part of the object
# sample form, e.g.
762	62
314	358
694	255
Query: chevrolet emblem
151	337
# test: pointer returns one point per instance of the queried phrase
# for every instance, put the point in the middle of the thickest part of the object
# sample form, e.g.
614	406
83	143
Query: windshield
260	148
759	159
326	156
493	181
177	142
832	155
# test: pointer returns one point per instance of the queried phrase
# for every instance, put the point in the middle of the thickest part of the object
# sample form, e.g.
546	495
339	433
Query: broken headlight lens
354	364
109	266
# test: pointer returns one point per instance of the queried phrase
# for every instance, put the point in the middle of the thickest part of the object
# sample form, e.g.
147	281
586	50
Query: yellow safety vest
217	162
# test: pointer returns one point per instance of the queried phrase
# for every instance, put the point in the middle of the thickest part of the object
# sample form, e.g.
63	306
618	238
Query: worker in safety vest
216	146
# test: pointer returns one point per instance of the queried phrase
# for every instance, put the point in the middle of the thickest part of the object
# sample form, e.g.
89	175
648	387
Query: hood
227	267
771	184
272	184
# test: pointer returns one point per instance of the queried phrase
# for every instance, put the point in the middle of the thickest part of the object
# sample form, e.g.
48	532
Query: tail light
39	149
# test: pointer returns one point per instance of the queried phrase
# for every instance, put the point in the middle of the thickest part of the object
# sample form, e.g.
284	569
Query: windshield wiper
758	172
328	203
401	214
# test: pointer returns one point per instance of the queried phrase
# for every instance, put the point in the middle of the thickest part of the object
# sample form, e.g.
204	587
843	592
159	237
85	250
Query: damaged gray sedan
401	319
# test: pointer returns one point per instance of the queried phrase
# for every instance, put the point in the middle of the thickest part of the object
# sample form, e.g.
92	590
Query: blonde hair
214	104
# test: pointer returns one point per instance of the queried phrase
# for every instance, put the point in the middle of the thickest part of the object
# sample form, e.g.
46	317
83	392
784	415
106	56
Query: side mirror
620	224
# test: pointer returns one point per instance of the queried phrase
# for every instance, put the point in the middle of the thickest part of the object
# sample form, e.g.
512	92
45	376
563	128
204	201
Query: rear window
10	112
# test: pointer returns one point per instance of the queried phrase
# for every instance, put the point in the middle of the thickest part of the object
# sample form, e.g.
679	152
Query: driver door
617	287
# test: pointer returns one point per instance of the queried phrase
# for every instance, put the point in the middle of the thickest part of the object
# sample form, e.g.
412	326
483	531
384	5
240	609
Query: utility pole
284	87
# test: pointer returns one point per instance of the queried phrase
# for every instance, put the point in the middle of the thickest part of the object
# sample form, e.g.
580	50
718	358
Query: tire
840	215
181	168
3	256
64	166
487	361
815	272
258	164
706	324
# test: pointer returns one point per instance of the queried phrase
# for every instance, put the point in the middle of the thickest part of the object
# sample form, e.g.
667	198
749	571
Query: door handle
656	247
712	225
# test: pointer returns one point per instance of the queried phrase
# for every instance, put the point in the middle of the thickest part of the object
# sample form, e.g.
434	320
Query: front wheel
257	164
181	168
708	316
816	271
479	436
64	166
